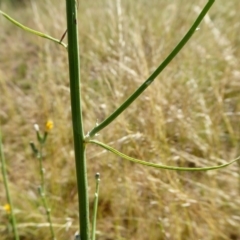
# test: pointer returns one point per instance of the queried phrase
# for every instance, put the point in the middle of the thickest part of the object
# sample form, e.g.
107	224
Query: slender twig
78	133
239	177
97	177
40	34
135	160
136	94
42	191
9	199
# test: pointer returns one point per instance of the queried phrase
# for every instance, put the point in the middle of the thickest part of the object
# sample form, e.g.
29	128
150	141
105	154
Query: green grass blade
40	34
135	160
138	92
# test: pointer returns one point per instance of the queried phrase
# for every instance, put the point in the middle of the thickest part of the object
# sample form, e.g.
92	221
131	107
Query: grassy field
188	117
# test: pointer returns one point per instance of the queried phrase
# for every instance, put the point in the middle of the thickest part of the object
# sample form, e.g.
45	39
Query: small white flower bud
36	127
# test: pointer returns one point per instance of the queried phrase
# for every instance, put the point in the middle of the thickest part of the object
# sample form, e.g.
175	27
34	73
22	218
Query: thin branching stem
42	191
135	160
40	34
8	195
147	83
94	221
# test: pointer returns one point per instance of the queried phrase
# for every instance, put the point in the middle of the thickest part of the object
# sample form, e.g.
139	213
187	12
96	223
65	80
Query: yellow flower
7	208
49	125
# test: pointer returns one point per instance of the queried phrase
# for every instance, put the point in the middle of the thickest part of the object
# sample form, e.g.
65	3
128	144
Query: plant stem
239	177
40	34
97	177
136	94
78	133
43	193
135	160
9	199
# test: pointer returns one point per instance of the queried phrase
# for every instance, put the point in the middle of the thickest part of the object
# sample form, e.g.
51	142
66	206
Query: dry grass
188	117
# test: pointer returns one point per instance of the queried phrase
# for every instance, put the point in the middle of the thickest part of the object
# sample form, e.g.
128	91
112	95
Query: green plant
38	152
97	177
79	137
9	206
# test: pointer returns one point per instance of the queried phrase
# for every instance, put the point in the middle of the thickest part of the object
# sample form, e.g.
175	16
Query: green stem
97	177
136	94
78	133
239	177
42	170
40	34
9	199
43	193
135	160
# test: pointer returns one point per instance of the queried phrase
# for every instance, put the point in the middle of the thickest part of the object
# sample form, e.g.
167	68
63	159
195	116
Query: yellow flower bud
7	208
49	125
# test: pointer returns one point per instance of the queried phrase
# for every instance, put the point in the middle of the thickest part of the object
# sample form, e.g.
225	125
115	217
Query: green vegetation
187	118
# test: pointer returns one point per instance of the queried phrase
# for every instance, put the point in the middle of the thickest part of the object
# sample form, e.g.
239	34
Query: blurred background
188	117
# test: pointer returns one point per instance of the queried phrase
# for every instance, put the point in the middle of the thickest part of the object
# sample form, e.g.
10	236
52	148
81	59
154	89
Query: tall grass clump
182	124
